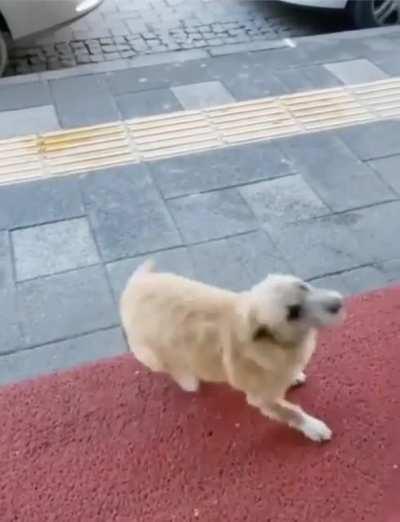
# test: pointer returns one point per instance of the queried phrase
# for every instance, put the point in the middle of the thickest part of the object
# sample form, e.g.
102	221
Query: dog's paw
299	379
315	429
188	383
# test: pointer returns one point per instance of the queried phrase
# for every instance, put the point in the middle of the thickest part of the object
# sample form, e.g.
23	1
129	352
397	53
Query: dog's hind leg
187	382
148	358
292	415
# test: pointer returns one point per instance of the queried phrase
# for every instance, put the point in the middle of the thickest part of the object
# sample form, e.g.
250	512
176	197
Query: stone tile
376	229
253	83
53	247
83	100
356	71
390	66
6	270
391	269
294	80
28	121
389	171
65	305
139	79
279	59
147	103
339	178
23	95
33	203
323	50
363	279
377	140
63	355
202	95
127	213
176	260
223	50
320	246
251	257
214	215
162	58
10	335
219	168
307	78
285	199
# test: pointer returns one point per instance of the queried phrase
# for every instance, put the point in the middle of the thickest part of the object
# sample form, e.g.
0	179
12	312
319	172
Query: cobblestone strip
123	29
76	52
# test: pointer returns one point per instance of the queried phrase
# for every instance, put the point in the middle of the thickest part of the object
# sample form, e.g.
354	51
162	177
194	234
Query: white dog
258	341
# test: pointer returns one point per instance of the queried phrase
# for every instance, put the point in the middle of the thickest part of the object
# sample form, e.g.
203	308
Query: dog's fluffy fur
258	341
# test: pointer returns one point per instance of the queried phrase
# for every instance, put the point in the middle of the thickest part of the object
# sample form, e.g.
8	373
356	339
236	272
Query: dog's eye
294	312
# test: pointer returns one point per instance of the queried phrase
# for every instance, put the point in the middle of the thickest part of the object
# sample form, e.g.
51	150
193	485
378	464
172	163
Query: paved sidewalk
325	205
123	29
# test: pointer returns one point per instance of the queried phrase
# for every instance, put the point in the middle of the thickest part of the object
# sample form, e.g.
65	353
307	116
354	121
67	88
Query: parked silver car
363	13
26	18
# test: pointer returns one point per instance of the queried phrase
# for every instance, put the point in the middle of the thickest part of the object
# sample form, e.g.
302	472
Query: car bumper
27	18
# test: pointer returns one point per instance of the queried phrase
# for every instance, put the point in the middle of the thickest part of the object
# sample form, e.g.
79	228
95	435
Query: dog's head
284	308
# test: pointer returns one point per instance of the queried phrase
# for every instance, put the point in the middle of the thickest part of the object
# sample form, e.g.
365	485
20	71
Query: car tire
374	13
3	54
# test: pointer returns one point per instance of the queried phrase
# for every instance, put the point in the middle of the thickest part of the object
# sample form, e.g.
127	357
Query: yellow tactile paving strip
162	136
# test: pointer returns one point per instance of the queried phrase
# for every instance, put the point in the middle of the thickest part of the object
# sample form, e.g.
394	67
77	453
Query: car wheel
375	13
3	53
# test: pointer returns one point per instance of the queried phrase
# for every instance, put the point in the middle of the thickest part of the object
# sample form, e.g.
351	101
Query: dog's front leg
292	415
299	379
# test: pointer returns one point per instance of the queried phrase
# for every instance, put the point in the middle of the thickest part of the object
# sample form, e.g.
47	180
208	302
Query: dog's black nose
335	306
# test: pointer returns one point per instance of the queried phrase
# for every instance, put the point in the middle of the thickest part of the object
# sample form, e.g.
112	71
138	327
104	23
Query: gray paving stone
378	140
202	95
389	170
214	215
307	78
320	246
323	50
53	247
28	121
359	280
127	213
391	269
10	337
251	82
356	71
339	178
285	199
138	79
65	305
377	229
176	260
63	355
147	103
6	270
389	66
24	95
83	100
251	257
247	47
33	203
219	168
10	333
294	80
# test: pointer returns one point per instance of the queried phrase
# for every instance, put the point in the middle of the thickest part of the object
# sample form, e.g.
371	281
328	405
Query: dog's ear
262	333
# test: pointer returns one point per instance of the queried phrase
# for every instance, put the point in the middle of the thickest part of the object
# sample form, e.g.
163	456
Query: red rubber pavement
110	442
